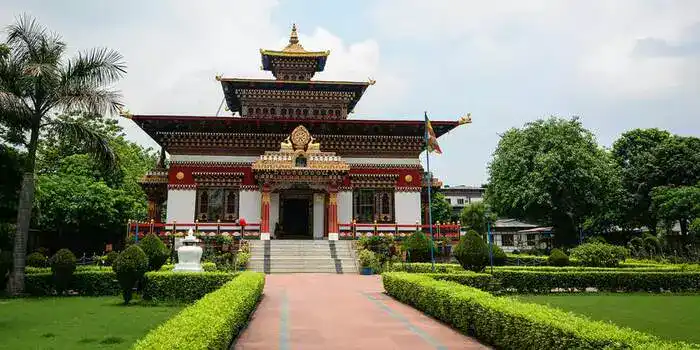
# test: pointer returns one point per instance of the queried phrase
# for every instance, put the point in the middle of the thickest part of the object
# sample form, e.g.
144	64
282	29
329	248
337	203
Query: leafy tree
37	81
130	267
472	252
155	250
418	246
552	171
677	204
474	217
440	208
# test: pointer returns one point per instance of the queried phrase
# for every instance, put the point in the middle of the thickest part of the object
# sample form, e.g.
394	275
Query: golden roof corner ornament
466	119
123	112
371	81
217	77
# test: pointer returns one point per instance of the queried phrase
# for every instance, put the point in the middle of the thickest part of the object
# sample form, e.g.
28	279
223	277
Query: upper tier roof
154	124
294	50
231	85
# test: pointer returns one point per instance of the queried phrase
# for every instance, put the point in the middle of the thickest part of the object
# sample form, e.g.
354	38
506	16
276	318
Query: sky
617	65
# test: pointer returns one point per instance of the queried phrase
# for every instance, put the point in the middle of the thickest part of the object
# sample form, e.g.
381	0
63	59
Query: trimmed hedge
206	266
183	286
79	268
661	268
506	323
547	281
91	283
213	321
483	281
426	268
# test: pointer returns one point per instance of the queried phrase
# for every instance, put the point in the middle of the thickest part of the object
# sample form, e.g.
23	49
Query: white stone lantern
189	255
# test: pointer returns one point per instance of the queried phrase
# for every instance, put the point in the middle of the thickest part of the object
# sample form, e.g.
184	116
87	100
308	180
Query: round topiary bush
499	256
417	247
130	267
558	258
599	254
472	252
62	267
110	258
37	259
155	250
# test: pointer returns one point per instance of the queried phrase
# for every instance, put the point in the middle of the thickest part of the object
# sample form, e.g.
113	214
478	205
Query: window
370	205
507	240
300	162
531	239
217	204
460	201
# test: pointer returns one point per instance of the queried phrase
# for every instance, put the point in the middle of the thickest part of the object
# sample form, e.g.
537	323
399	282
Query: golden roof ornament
466	119
123	112
294	45
371	81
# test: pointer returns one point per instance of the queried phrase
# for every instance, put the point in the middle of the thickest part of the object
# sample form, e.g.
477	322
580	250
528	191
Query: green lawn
76	322
674	317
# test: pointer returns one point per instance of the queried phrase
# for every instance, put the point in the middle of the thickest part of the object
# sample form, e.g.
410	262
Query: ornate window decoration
369	205
300	161
217	203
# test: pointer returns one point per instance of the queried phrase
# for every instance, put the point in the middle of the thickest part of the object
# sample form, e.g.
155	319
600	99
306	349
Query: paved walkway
328	311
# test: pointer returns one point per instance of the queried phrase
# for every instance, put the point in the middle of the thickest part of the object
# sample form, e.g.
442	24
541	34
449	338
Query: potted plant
368	261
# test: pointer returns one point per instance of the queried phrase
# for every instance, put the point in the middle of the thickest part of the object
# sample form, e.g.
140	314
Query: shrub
599	254
213	321
383	246
155	250
499	256
506	323
532	281
129	268
62	268
483	281
367	259
5	267
183	286
242	259
558	258
418	246
37	259
109	258
472	252
88	283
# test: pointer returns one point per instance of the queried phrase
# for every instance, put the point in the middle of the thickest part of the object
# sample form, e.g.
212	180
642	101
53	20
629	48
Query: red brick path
327	311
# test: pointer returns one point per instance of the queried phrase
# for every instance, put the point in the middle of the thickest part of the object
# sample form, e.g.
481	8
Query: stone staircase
295	256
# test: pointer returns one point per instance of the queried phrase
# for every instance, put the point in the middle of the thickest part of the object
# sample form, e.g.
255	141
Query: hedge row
183	286
426	268
90	283
213	321
660	268
483	281
206	266
506	323
547	281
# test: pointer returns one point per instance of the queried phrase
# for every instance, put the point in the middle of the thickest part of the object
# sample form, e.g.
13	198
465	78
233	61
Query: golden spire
293	38
294	45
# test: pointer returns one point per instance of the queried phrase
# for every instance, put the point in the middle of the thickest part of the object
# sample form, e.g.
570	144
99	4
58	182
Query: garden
129	299
594	297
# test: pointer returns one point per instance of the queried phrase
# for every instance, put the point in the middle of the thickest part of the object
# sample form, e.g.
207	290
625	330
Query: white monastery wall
344	203
407	207
319	209
181	206
249	206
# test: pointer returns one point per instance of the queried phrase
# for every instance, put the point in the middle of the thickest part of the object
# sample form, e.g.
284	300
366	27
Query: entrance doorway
296	211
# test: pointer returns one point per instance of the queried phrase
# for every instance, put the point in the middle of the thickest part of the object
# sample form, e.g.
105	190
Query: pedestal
332	236
264	236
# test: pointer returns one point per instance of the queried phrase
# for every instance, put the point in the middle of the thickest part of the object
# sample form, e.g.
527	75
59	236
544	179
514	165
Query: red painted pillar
333	214
265	213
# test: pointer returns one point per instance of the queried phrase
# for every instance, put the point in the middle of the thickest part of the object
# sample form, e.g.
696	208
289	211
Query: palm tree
37	82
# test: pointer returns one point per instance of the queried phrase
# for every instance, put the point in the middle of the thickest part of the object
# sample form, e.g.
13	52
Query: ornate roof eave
295	53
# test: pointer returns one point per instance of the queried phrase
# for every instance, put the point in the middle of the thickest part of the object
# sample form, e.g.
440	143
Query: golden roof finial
293	38
371	81
465	119
123	112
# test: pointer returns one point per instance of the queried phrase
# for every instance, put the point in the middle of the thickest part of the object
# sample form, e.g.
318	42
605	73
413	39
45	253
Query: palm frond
94	142
97	67
89	98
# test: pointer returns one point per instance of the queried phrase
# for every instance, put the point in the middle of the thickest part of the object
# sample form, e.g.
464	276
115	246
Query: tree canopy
474	217
440	208
552	171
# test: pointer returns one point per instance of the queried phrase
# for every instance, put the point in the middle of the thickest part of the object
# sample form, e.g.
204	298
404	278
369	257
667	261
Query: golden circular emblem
408	178
300	137
180	175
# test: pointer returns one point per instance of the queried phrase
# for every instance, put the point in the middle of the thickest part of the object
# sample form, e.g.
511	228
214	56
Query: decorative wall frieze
408	189
182	186
250	188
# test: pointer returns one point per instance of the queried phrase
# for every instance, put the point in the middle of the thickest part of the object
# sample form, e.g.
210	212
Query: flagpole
430	201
